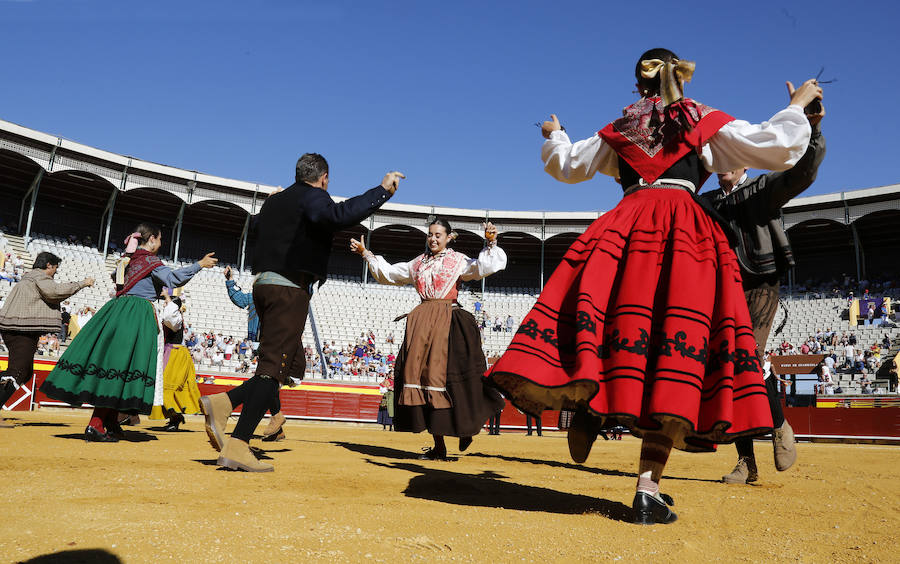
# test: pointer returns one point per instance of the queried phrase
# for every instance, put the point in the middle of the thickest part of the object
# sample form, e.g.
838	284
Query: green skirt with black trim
112	361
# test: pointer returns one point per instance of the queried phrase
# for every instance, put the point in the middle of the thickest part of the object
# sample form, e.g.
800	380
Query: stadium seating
345	306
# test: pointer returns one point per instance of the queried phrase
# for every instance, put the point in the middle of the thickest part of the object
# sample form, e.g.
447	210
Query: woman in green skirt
115	363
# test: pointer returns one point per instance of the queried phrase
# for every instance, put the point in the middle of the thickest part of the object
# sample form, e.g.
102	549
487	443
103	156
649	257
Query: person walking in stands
180	392
31	309
752	208
644	322
294	232
116	362
438	375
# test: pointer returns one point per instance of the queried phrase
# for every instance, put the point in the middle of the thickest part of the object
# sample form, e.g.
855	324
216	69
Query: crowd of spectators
846	286
843	353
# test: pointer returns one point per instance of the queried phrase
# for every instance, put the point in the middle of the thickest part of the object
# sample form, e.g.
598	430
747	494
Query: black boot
7	388
650	509
582	434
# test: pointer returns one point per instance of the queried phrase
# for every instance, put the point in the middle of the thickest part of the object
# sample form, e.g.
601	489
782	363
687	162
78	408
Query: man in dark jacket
752	208
31	310
294	233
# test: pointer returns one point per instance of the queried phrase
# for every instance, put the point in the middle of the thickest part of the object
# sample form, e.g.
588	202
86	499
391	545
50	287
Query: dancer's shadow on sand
163	429
130	437
380	451
490	489
580	468
83	556
36	423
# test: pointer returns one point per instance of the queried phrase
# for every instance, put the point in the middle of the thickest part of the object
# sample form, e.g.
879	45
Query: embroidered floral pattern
435	276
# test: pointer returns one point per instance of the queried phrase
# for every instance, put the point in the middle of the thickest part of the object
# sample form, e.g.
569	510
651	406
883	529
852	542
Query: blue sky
447	92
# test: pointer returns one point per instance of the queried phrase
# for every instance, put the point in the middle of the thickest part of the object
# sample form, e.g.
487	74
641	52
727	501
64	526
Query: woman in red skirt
644	322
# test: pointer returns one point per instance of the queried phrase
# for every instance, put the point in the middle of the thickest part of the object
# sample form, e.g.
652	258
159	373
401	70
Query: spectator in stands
671	160
122	347
510	323
31	309
218	359
849	357
886	342
244	301
65	317
295	231
498	325
439	375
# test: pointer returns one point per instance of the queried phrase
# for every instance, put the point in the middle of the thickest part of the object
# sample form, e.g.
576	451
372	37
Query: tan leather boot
216	408
274	430
237	456
744	472
785	449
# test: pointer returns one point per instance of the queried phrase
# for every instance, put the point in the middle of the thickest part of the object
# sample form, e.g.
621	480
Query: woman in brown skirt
438	375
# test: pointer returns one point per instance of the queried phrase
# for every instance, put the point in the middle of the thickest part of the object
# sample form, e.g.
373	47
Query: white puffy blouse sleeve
490	261
171	316
386	273
776	144
576	162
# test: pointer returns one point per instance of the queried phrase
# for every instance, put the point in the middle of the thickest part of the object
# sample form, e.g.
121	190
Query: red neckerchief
652	137
141	265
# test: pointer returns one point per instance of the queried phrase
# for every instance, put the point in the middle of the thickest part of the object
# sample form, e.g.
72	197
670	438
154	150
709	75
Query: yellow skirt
74	328
180	391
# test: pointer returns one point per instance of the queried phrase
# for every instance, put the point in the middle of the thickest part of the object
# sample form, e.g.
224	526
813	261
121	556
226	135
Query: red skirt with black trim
644	323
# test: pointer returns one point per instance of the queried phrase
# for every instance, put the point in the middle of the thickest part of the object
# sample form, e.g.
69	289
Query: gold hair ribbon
672	76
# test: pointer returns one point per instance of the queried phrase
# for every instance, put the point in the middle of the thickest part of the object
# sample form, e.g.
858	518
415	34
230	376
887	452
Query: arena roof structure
52	185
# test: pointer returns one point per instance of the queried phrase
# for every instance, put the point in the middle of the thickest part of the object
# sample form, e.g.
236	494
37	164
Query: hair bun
453	235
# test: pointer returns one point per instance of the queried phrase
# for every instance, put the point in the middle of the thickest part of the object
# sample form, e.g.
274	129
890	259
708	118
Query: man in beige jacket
31	310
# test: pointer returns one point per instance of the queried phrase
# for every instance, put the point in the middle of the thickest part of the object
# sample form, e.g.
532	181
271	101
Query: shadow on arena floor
38	424
580	468
489	489
130	437
85	556
379	451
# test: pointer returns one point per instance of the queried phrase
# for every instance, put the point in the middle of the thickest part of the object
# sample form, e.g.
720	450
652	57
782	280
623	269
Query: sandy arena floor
347	493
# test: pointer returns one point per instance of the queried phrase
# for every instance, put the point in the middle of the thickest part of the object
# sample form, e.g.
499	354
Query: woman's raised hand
357	247
490	232
549	127
806	93
208	261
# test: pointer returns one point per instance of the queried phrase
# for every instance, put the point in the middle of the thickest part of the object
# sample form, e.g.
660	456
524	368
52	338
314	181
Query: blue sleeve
238	298
175	278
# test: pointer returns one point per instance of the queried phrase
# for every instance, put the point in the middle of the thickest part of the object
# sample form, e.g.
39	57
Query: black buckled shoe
650	509
174	421
7	388
113	429
92	435
432	454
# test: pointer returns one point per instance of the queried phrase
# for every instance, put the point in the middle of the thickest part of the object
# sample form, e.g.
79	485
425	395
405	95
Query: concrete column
176	239
104	236
543	238
860	254
244	234
33	192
